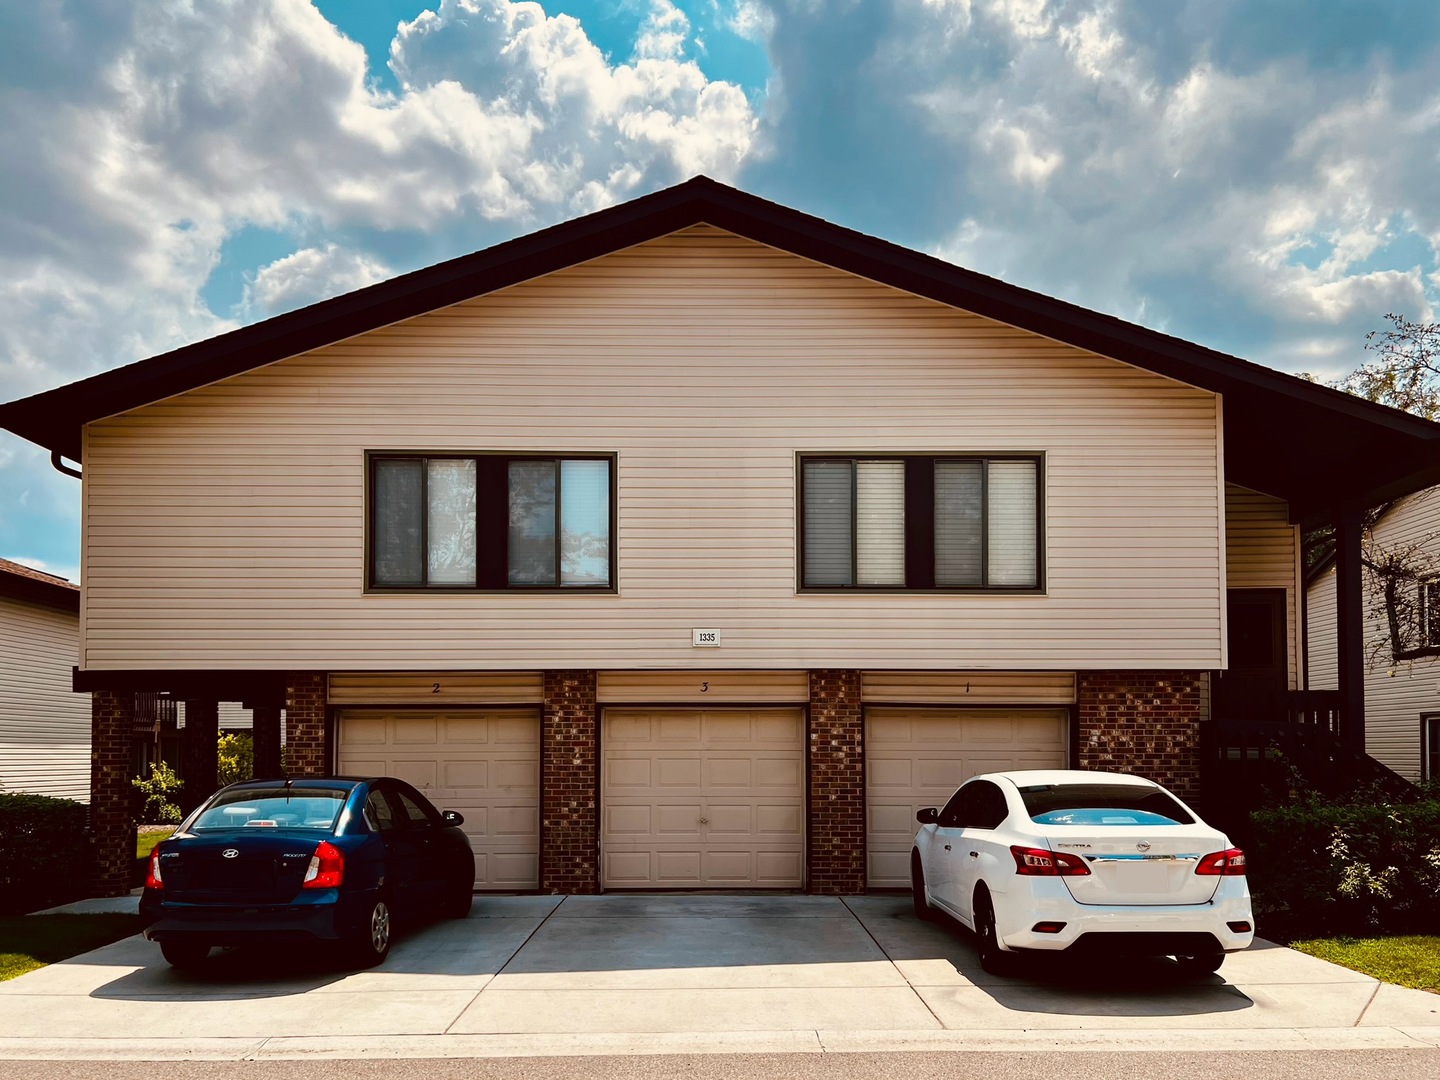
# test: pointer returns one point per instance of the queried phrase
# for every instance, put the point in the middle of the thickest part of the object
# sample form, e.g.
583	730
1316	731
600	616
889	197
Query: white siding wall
1396	693
44	726
225	527
1262	551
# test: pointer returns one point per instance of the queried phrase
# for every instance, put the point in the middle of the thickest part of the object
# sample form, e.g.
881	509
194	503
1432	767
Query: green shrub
156	807
45	855
1348	869
236	758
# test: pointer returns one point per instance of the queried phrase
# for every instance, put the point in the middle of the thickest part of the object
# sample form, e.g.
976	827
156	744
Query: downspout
60	466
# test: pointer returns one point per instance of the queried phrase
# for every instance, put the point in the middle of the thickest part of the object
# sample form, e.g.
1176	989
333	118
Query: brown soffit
1307	443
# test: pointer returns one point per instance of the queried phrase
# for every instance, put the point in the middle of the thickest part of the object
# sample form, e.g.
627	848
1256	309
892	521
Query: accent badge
231	853
1143	845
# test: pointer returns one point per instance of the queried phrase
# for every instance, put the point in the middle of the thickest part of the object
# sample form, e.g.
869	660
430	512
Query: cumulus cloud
307	276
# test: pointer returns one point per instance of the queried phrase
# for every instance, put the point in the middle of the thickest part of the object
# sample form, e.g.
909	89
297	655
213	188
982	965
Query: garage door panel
483	764
678	772
778	869
715	798
918	757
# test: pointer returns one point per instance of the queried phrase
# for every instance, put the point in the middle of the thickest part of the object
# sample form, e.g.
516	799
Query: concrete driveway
692	973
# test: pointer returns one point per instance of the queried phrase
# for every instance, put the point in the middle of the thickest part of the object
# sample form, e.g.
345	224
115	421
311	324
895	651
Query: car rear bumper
1181	929
328	919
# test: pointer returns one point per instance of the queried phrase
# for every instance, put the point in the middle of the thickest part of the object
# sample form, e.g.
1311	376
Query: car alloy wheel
993	959
372	944
923	910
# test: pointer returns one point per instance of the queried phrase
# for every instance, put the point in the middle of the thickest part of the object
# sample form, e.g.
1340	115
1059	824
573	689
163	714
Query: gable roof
19	582
1306	443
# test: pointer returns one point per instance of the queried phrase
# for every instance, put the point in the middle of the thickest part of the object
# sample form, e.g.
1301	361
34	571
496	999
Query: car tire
185	955
923	911
1200	965
371	942
458	900
993	959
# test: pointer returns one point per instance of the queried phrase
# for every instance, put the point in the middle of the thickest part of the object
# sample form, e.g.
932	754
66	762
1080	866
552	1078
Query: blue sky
1254	175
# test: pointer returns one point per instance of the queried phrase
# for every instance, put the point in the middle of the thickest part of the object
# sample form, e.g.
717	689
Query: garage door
703	798
483	763
918	757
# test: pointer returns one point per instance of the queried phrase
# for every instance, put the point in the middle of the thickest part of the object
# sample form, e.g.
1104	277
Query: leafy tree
155	791
1405	370
236	758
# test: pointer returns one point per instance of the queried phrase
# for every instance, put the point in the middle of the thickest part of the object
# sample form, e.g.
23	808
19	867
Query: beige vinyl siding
44	725
967	687
225	527
1262	551
1321	640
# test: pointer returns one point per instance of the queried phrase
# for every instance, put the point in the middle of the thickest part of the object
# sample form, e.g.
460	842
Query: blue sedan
280	861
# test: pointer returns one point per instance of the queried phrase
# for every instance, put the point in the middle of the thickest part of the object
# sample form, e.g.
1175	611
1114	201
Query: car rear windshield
1101	804
274	808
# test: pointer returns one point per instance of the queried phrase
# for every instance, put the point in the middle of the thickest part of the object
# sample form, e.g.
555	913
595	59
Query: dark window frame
919	542
1429	746
492	561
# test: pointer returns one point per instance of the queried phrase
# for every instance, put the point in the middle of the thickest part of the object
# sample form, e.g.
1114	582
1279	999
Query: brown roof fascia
54	419
19	582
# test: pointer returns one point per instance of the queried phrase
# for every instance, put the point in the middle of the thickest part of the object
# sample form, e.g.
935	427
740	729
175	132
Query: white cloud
663	33
307	276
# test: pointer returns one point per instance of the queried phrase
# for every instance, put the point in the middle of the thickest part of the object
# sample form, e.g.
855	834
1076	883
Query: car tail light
1037	862
326	869
153	879
1227	863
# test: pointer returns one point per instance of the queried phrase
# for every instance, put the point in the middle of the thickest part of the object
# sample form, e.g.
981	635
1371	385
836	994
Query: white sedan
1055	860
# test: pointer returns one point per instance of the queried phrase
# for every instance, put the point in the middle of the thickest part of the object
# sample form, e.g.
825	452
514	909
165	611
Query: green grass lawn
1406	961
145	842
28	942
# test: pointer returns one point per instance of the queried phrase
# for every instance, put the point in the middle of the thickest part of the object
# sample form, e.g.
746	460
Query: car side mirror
450	817
927	816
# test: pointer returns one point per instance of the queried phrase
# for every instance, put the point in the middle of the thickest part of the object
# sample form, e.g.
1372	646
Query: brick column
1142	722
112	822
836	833
307	752
266	736
199	752
569	822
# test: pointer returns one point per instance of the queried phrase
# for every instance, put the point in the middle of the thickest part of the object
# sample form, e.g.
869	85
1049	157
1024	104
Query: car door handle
947	847
974	854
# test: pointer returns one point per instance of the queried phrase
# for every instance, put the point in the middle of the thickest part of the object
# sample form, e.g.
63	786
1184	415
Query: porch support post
112	821
200	752
266	736
1350	626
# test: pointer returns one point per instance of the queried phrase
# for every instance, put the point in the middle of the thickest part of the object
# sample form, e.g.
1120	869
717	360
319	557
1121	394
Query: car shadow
942	952
443	948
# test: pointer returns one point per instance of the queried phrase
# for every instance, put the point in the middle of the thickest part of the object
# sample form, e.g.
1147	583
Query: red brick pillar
112	824
1143	722
307	750
569	780
265	734
836	832
199	752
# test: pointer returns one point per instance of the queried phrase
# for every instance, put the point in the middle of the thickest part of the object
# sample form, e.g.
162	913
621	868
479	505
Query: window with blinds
490	522
955	522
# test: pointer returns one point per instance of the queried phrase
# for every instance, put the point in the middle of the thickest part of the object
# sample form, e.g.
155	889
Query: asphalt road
915	1065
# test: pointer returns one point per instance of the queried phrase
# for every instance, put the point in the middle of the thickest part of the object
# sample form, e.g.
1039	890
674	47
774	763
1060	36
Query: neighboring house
1402	697
698	542
44	724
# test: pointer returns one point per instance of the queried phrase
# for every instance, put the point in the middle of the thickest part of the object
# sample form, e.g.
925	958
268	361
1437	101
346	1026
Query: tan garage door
703	799
918	757
483	763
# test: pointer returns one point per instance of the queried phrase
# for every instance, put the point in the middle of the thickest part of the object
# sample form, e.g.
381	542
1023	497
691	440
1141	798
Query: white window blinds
828	519
1013	504
880	523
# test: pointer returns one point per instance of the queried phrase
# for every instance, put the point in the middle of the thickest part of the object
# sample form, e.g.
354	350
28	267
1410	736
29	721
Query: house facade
44	724
1402	696
696	543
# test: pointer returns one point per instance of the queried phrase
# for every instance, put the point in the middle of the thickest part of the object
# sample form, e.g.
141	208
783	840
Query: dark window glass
532	523
396	527
378	814
1040	799
1430	756
414	813
959	527
829	523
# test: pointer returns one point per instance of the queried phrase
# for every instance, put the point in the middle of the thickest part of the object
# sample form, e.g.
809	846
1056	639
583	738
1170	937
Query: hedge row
1346	869
45	854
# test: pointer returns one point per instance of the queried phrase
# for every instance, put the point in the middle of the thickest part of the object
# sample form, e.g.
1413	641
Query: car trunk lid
1147	865
237	866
